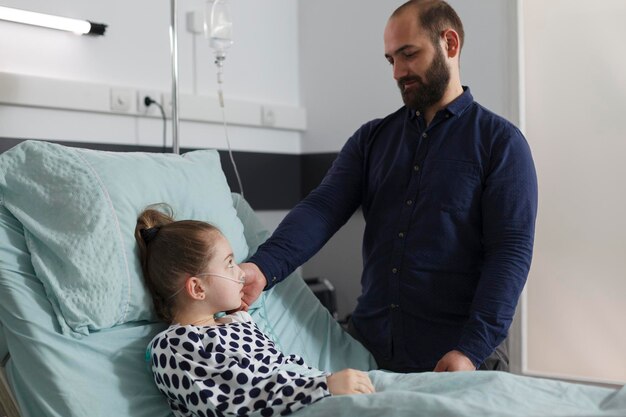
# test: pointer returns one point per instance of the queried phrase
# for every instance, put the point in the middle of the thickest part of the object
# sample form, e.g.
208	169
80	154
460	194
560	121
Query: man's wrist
268	283
472	358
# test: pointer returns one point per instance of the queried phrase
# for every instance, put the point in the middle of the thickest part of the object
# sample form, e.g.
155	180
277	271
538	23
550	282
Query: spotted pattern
229	369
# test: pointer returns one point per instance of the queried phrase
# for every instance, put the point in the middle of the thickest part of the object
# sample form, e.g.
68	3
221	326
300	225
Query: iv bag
218	26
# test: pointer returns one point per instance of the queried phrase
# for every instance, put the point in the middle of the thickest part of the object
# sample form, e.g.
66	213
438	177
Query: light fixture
78	26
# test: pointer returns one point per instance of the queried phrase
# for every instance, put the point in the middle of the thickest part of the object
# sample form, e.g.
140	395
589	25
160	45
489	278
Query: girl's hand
350	381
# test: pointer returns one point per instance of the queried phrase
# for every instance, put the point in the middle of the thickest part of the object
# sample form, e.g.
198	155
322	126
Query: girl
208	365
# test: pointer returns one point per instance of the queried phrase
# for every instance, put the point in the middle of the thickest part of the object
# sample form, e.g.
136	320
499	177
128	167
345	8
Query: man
449	195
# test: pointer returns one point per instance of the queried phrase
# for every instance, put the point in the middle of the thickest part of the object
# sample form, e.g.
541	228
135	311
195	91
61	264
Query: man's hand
255	282
454	361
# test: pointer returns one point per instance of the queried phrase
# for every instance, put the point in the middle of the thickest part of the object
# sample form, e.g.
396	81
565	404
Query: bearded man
448	190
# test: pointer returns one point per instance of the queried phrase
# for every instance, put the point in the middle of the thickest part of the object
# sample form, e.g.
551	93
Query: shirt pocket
454	185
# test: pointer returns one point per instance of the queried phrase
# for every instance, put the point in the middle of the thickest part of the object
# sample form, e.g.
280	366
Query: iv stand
174	53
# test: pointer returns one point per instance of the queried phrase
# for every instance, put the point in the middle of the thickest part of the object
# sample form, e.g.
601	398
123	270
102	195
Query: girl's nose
242	275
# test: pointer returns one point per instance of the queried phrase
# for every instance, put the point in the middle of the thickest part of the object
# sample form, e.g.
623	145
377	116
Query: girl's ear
194	288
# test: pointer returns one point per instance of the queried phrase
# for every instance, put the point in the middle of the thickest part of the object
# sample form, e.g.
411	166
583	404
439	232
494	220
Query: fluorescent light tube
80	27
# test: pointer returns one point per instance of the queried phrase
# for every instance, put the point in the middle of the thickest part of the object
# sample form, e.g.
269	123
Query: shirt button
424	135
400	235
417	113
394	270
394	306
409	202
416	168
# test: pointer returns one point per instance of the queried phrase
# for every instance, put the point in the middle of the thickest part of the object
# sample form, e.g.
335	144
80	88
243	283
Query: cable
148	101
221	100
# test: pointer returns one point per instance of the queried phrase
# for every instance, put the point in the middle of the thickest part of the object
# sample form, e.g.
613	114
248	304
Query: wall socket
152	110
268	116
122	100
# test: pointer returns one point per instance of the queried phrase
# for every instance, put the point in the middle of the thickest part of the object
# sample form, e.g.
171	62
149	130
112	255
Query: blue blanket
473	394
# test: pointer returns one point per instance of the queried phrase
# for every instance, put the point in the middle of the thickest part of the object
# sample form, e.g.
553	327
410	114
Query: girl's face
224	278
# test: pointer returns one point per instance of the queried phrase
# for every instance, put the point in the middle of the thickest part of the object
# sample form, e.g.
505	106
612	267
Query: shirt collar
456	106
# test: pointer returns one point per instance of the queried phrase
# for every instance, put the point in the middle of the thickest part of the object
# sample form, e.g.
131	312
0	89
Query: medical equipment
218	28
174	61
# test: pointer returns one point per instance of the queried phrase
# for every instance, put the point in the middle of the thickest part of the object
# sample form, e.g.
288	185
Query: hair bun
149	234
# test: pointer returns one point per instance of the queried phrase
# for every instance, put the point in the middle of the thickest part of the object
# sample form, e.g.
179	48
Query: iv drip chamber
218	27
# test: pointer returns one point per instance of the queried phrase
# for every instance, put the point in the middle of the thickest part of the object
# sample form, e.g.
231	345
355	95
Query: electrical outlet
145	110
122	100
268	116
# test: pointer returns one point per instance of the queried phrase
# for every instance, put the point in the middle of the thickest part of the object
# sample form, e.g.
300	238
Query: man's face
419	67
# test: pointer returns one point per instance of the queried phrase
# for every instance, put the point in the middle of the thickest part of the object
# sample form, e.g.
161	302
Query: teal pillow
79	208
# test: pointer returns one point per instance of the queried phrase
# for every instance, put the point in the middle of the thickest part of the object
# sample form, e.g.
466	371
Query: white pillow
79	210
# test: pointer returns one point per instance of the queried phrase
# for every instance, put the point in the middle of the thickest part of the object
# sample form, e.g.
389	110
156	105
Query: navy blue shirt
450	214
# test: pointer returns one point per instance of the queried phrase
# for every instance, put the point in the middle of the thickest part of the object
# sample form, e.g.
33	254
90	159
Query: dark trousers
497	361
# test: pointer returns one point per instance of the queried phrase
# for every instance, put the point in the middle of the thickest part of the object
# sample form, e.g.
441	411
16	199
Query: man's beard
423	95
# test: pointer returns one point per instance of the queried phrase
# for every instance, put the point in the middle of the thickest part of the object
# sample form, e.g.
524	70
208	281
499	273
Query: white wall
262	66
345	79
575	100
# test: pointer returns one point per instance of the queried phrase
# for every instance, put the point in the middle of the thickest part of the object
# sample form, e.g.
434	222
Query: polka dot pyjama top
230	369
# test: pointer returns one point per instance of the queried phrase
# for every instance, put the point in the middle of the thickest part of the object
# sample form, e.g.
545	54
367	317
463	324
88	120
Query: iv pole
174	53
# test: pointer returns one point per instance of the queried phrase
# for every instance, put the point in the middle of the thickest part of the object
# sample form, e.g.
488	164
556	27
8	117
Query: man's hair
434	17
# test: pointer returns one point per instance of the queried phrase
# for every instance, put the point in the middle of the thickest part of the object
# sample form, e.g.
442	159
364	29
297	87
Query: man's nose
399	70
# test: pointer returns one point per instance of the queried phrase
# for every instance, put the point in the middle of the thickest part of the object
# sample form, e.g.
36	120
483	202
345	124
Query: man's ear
452	42
194	288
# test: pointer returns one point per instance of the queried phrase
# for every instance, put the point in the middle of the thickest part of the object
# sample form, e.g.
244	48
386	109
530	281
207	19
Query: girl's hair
170	251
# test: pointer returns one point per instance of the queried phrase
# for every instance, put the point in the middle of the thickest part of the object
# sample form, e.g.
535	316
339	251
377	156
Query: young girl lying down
208	365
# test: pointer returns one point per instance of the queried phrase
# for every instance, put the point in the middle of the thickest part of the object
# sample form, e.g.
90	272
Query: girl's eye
231	264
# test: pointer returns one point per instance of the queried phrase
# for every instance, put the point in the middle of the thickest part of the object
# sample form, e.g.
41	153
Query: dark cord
148	102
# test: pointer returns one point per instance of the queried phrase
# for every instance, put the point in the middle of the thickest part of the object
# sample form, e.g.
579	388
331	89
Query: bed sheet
472	394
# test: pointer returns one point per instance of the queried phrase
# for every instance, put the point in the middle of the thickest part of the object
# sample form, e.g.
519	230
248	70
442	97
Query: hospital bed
75	318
